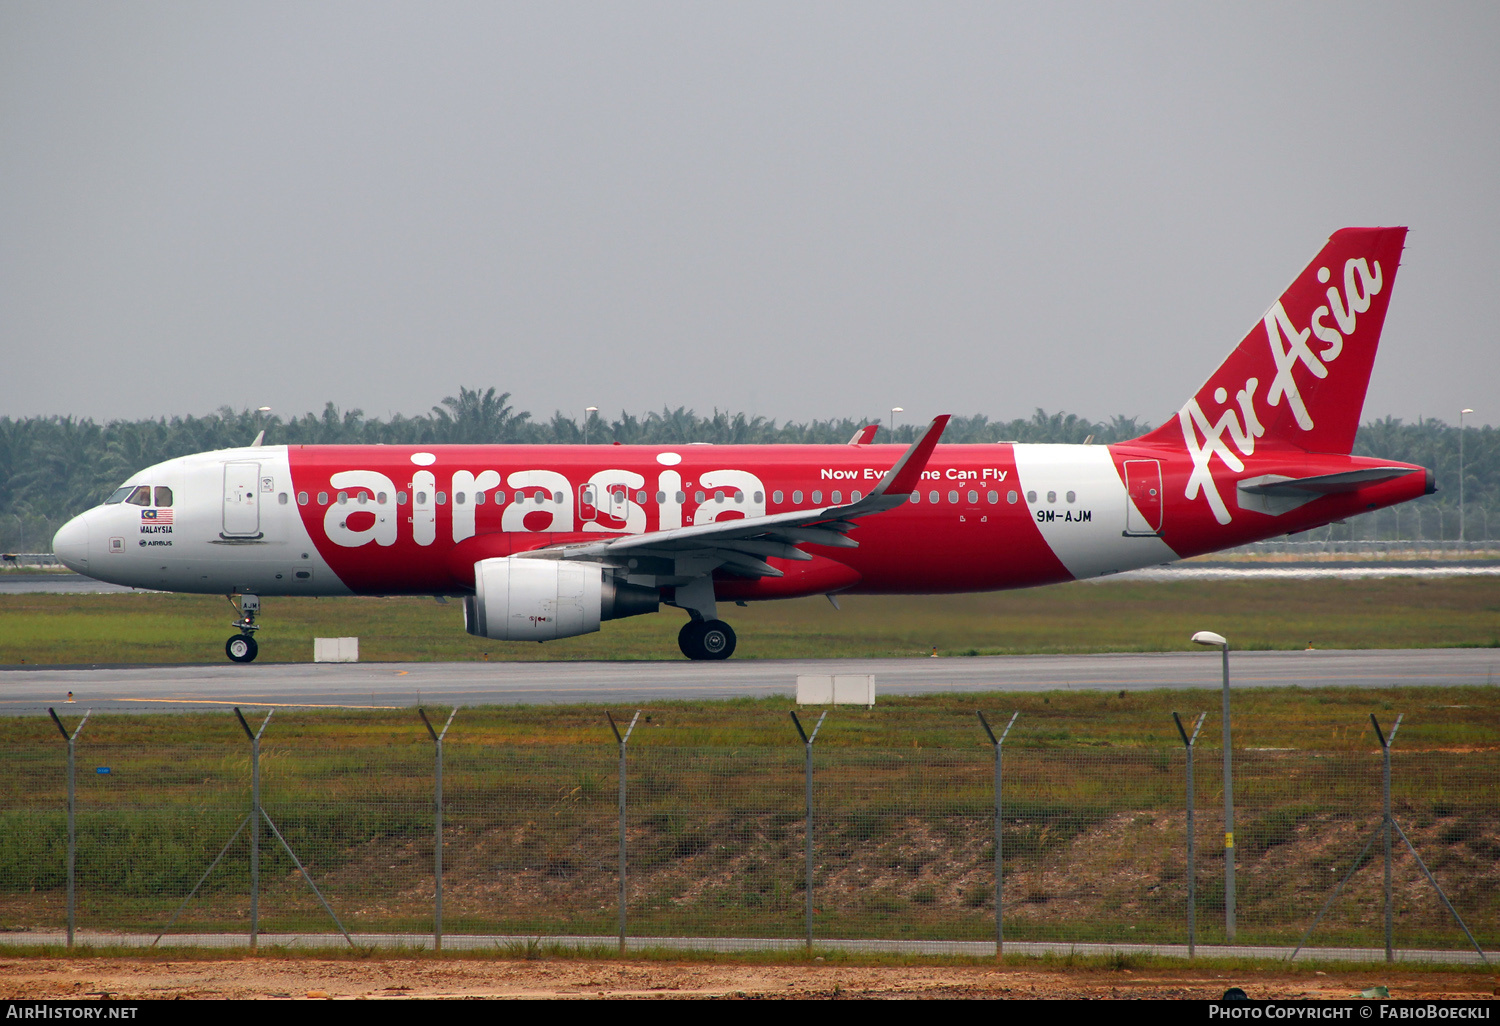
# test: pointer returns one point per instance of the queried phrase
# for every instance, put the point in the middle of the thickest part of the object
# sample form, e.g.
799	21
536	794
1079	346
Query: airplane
545	542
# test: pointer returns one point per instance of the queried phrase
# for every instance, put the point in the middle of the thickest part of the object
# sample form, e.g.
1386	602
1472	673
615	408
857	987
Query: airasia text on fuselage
369	506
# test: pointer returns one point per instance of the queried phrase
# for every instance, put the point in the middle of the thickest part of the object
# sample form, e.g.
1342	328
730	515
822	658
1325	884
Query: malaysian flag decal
156	516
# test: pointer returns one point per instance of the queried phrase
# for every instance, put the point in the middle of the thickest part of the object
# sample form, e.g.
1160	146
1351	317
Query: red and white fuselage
390	520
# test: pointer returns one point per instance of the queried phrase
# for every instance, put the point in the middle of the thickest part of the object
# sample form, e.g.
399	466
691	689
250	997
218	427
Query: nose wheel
241	647
706	639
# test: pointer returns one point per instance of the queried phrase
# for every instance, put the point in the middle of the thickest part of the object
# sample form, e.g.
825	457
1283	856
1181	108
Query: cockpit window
141	496
118	496
163	496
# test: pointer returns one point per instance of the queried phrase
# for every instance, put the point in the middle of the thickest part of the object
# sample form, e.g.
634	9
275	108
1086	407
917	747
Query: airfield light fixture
895	410
588	411
1220	642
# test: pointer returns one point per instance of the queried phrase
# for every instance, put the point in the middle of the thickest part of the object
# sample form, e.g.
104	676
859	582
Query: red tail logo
1316	390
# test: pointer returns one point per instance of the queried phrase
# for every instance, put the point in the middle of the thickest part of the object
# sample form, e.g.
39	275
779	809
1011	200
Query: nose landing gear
241	647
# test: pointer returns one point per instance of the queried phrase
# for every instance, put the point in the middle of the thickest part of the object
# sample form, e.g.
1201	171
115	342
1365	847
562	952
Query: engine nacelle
518	599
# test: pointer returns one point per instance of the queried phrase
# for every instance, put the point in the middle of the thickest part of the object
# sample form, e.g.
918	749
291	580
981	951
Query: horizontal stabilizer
865	435
1323	484
1275	494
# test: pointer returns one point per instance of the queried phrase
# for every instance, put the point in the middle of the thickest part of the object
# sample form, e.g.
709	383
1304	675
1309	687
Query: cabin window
458	498
778	496
993	497
282	499
759	496
322	498
932	497
479	498
557	497
302	498
661	497
953	498
1072	497
442	498
163	496
836	497
718	496
499	498
421	498
916	496
797	497
401	498
1011	497
1031	496
681	498
699	496
854	496
362	498
141	496
343	498
817	496
1051	496
973	498
118	495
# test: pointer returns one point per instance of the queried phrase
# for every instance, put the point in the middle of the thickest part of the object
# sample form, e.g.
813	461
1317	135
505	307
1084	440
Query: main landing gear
241	647
706	639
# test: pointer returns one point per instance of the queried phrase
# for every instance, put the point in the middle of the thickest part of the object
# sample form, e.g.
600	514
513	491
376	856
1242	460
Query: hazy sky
798	210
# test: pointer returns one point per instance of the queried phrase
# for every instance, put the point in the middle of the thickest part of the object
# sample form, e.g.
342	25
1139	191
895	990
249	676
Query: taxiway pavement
376	685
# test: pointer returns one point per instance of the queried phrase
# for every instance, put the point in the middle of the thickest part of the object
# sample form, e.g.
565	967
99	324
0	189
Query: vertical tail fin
1299	377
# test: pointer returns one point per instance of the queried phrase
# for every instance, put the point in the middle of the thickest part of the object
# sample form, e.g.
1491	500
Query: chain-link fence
1094	839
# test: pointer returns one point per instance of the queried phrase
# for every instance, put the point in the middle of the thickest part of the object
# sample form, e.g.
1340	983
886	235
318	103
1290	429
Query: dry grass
1097	617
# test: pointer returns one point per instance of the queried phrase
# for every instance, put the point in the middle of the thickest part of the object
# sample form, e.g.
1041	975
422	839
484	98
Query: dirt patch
137	979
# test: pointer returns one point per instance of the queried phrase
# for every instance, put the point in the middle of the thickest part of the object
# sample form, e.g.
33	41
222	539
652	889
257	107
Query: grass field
1110	616
1094	825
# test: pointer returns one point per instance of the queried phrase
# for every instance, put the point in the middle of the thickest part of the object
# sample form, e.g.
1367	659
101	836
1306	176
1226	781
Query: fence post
1386	819
622	742
72	834
1192	866
807	744
999	744
437	825
254	821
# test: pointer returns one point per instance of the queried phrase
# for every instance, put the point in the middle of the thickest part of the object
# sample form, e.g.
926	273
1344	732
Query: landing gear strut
706	639
241	647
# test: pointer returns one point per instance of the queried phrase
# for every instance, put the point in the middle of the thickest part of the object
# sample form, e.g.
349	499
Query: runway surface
387	685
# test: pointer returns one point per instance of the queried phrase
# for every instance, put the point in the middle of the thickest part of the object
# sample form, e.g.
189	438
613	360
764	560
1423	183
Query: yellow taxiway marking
251	701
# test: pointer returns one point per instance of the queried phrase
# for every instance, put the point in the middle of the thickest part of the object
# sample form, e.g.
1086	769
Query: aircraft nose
71	544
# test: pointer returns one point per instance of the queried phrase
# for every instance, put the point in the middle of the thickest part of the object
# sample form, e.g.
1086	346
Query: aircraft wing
744	545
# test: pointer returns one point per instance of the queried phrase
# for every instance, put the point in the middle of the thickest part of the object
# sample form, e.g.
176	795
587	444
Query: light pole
588	411
260	428
1461	414
895	410
1210	638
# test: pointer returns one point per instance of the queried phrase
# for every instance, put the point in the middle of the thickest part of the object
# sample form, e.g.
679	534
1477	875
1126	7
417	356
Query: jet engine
517	599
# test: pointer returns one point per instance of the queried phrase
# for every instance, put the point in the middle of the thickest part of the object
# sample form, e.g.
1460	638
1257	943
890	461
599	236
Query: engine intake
542	599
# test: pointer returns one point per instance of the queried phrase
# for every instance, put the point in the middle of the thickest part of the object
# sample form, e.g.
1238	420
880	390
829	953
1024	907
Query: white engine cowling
542	599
